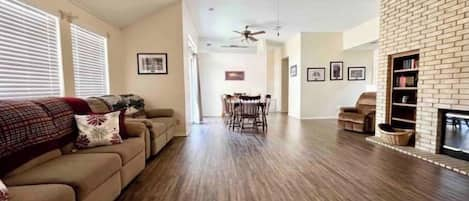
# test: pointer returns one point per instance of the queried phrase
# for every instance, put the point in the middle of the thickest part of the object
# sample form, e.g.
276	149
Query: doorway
285	77
194	85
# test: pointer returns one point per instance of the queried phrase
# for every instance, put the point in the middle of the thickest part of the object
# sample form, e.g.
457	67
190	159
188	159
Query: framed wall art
316	74
336	70
152	63
234	75
356	73
293	71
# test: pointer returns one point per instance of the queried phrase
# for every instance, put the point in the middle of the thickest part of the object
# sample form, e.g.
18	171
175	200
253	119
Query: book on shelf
406	81
410	64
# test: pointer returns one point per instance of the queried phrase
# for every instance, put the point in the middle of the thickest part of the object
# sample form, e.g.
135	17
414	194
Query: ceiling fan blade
238	32
257	33
253	39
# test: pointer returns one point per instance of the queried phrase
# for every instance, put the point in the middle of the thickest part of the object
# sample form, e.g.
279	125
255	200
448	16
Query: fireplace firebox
455	133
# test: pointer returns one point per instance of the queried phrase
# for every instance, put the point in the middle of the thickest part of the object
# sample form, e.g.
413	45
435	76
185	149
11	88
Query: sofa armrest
145	122
155	113
135	129
348	109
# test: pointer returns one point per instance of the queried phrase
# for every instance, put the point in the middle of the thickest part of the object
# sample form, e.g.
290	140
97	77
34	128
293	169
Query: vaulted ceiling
121	12
228	15
295	16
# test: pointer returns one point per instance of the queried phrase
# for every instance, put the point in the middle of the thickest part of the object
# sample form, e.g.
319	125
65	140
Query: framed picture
316	74
337	70
356	73
152	63
234	75
293	71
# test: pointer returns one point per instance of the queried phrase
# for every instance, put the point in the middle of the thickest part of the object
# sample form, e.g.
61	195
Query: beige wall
318	100
274	74
91	23
366	32
292	50
323	99
212	76
161	32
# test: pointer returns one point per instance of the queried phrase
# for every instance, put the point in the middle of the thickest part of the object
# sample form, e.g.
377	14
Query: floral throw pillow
3	192
98	130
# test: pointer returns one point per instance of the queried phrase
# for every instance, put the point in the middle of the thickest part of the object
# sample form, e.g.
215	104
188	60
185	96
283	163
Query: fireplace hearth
455	134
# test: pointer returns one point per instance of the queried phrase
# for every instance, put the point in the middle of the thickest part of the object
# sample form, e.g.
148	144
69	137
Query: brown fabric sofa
64	173
95	174
360	118
161	123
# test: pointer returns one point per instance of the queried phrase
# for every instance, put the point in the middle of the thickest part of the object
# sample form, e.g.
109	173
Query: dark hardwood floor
295	160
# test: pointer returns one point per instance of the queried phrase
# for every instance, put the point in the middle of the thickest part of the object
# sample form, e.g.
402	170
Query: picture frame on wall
152	63
293	71
234	75
336	69
357	73
316	74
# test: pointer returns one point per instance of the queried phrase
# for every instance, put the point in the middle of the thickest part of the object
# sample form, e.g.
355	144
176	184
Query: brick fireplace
439	30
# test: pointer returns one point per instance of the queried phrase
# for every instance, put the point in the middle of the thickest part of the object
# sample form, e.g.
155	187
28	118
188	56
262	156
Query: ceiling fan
248	35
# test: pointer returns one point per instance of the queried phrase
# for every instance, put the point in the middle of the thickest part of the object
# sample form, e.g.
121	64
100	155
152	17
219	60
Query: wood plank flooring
295	160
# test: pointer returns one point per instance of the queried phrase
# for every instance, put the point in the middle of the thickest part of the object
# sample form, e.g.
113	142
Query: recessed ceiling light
211	9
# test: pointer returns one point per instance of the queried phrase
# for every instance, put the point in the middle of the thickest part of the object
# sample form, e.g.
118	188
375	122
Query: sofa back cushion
367	102
30	128
98	105
133	104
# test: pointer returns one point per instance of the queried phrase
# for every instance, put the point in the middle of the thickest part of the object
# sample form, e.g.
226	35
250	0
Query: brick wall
439	29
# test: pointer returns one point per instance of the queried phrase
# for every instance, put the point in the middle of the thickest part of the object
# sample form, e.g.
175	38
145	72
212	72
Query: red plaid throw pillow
3	192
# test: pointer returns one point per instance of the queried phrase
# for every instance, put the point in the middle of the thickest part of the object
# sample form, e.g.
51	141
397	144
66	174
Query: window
30	64
89	62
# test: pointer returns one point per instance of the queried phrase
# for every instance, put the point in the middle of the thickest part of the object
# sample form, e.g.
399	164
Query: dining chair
249	110
265	110
228	111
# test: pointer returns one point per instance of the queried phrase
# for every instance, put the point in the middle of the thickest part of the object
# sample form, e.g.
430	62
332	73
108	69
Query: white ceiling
295	16
121	12
228	15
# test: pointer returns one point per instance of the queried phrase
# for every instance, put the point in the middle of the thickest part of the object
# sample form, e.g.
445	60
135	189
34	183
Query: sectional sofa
52	169
160	122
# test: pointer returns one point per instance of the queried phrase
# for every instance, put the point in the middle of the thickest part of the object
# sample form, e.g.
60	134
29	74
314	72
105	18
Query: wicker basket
399	137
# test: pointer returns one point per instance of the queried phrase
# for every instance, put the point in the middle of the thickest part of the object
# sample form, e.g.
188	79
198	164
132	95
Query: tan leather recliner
360	118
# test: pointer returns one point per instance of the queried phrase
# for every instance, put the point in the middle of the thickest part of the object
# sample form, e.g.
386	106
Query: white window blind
89	62
30	65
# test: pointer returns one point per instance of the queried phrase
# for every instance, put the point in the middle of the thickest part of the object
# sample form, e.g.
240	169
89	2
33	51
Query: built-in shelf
403	72
403	120
405	88
406	70
404	104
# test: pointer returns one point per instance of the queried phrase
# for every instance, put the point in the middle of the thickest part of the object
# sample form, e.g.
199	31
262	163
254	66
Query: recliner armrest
155	113
349	109
135	129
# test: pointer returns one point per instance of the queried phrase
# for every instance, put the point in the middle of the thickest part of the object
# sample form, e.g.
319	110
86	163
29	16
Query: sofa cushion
84	172
156	128
98	105
44	192
98	130
127	150
352	117
29	128
36	161
168	122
